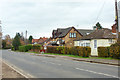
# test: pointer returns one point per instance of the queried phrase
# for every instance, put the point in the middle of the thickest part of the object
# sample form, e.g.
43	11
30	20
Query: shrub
103	52
12	48
115	52
36	46
25	48
112	51
79	51
86	51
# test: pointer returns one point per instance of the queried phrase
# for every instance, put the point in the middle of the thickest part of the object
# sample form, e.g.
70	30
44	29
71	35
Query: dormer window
87	33
72	35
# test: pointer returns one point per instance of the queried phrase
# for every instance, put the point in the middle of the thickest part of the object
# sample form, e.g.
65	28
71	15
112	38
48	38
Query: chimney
114	28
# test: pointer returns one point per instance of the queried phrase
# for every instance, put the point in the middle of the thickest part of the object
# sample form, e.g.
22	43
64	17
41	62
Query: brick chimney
114	28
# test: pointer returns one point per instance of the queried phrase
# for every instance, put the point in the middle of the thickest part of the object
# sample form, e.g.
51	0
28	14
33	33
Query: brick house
40	41
66	36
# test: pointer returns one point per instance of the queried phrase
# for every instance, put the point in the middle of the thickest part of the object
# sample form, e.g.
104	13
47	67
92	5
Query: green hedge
26	48
103	52
79	51
112	51
12	48
115	52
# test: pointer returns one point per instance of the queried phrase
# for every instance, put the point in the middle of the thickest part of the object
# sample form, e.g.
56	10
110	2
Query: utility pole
26	37
0	36
119	22
116	19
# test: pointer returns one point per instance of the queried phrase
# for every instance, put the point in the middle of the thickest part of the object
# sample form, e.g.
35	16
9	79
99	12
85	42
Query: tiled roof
62	32
99	34
35	40
42	40
85	31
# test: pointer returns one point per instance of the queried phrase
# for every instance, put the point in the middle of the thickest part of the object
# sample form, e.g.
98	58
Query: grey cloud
40	18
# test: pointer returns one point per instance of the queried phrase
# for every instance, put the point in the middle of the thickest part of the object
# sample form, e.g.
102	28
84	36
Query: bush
36	46
25	48
12	48
103	52
112	51
115	52
79	51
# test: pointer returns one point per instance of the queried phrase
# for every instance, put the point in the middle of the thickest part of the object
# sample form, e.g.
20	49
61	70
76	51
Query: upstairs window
72	35
75	35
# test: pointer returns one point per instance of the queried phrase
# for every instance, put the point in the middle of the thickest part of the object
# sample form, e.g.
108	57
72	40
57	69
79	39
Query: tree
18	34
16	42
3	44
98	26
30	39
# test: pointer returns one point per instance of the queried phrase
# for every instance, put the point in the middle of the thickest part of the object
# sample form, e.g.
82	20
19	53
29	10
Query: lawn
82	57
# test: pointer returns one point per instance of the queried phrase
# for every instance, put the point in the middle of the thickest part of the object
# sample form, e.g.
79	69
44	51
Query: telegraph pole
0	36
119	22
116	16
116	19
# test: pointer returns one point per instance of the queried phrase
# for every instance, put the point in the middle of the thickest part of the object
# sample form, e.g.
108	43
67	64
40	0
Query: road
48	67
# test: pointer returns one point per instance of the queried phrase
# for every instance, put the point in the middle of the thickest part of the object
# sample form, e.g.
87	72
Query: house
35	41
40	41
98	38
66	36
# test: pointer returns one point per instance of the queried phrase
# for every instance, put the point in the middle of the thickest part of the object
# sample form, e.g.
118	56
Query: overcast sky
40	17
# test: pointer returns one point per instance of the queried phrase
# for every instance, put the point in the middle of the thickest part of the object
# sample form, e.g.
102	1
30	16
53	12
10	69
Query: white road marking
101	64
51	63
97	72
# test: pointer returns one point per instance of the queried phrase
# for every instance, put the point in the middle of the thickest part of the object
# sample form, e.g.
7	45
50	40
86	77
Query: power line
100	12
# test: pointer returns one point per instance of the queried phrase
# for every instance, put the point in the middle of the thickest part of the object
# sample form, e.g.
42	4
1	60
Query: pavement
50	66
8	72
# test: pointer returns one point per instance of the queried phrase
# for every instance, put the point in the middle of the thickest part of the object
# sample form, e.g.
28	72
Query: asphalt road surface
48	67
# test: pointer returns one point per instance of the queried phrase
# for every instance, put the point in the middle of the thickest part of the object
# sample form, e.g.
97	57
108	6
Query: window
110	40
95	43
88	44
81	44
72	35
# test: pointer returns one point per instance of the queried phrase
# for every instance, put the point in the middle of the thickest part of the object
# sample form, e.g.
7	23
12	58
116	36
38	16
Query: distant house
66	36
35	41
98	38
40	41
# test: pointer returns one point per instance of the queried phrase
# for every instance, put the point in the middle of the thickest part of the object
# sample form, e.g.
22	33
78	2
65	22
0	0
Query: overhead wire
99	13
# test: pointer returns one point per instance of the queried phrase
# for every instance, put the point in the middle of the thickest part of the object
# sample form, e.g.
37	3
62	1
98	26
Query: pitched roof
99	34
42	40
62	32
35	40
84	31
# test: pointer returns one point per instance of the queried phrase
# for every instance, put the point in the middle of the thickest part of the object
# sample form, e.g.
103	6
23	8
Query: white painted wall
78	43
100	43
